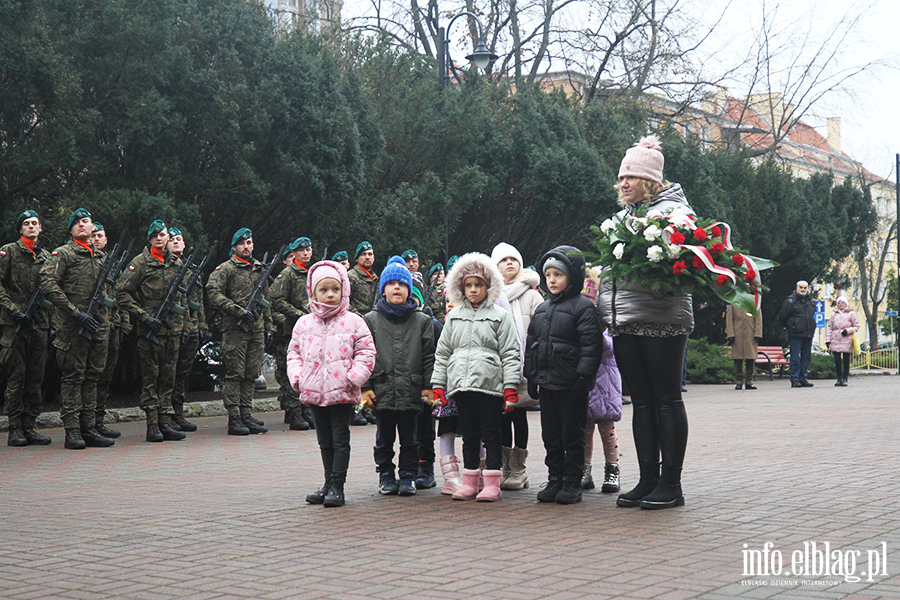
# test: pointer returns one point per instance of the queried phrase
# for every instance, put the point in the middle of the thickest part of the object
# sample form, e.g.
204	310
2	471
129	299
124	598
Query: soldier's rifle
116	271
195	277
35	303
256	299
98	298
169	306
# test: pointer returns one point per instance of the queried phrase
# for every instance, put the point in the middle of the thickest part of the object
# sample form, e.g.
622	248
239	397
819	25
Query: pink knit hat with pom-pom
644	160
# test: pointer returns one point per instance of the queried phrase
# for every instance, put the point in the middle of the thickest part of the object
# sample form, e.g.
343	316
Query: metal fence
885	358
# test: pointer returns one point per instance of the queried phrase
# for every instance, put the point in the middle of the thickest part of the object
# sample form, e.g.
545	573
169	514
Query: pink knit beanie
324	272
644	160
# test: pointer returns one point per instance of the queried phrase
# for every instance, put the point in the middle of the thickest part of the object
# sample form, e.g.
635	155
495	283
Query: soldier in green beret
24	337
412	263
438	301
227	292
119	328
193	334
343	258
363	280
67	280
290	301
141	291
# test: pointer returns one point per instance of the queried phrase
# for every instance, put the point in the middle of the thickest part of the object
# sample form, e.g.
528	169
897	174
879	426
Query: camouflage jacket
228	290
195	320
363	290
142	288
438	303
67	280
20	272
289	298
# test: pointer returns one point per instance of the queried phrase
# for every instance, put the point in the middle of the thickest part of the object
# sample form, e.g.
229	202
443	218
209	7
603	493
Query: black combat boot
308	416
16	437
252	424
153	433
35	438
298	423
169	433
183	423
334	495
105	431
92	437
236	426
73	439
647	483
552	489
570	492
252	419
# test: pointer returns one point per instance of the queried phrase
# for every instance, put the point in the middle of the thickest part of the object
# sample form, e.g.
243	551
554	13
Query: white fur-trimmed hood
454	284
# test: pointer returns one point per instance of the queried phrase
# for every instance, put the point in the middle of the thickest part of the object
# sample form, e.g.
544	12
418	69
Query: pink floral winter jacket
329	359
842	320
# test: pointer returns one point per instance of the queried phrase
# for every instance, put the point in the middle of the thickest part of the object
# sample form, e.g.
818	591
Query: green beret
98	226
532	267
418	294
78	215
339	256
436	267
25	215
409	255
363	246
287	250
302	242
155	227
240	235
452	261
173	231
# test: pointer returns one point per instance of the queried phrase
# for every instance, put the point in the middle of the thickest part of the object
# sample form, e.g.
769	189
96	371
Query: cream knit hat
644	160
504	250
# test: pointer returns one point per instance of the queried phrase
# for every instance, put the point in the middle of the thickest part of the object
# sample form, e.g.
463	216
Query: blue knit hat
395	272
155	227
240	235
78	215
339	256
25	215
363	246
397	260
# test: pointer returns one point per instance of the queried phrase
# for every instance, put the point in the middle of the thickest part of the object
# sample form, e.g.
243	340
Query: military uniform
289	302
438	303
194	326
119	327
227	292
141	291
24	355
363	289
67	280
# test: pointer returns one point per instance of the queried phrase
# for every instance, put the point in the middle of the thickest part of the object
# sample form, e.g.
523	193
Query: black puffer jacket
798	316
565	338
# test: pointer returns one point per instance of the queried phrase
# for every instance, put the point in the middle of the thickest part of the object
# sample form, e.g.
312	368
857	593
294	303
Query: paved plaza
224	517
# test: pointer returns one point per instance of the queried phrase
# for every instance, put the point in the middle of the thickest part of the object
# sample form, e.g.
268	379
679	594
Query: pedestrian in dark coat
798	316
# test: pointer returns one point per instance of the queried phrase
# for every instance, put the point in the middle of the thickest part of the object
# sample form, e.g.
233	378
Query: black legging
517	417
652	368
842	364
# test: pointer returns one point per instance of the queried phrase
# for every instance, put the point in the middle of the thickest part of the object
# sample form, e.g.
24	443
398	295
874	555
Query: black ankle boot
16	437
253	425
92	437
35	438
105	431
298	423
553	487
318	497
236	426
647	483
170	434
667	493
334	495
570	492
153	433
252	419
183	423
73	439
308	416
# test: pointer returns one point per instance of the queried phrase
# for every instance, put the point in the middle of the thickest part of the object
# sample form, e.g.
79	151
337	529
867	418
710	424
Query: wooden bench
774	357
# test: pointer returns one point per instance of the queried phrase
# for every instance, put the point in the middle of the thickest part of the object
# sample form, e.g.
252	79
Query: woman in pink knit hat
650	332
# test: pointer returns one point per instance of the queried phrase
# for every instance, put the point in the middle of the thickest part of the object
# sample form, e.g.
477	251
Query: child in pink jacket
330	357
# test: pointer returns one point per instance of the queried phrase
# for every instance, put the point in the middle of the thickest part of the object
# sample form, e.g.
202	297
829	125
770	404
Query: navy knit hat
25	215
155	227
363	246
78	215
240	235
395	272
339	256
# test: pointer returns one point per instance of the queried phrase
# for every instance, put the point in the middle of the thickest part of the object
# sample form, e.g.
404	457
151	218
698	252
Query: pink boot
469	488
450	471
491	491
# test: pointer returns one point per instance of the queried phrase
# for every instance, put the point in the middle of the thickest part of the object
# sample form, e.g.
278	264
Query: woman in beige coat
743	331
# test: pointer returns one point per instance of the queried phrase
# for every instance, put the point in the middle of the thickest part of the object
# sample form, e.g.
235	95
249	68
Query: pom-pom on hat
504	250
644	160
78	215
339	256
397	260
240	235
395	271
25	215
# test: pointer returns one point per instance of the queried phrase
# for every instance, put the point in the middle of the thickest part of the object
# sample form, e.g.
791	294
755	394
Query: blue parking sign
820	320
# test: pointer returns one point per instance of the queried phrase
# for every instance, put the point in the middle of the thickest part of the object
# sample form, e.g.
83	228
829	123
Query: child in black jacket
562	355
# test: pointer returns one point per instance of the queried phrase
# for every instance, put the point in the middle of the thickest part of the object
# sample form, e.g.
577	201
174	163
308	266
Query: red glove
511	396
440	397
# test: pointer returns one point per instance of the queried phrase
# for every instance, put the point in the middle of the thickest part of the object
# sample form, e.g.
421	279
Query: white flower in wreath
655	253
654	214
618	251
672	251
607	226
652	232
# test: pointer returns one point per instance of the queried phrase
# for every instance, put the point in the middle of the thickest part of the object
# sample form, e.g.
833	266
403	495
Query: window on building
829	291
704	138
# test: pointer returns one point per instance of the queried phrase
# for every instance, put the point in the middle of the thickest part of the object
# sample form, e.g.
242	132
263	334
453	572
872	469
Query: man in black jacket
798	316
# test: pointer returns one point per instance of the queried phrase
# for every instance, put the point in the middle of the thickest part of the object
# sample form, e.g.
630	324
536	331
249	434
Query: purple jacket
605	399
